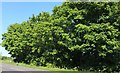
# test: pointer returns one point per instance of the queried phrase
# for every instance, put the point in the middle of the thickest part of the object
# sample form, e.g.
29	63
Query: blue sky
17	12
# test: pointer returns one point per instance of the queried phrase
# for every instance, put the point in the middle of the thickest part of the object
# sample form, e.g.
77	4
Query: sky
17	12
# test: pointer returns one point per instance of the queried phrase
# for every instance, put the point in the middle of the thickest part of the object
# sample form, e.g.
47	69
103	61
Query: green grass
33	66
44	68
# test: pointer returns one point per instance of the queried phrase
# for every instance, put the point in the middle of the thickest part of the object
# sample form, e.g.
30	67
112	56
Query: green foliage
5	58
78	35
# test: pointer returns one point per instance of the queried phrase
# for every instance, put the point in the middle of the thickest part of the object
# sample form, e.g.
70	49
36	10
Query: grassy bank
58	70
33	66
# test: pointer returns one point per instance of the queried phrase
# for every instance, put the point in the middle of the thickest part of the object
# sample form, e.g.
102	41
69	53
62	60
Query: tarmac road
8	68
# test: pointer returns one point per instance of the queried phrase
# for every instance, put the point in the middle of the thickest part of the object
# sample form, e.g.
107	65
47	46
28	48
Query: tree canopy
77	35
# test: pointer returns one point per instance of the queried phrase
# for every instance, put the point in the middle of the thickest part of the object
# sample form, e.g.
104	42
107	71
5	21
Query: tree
81	35
93	34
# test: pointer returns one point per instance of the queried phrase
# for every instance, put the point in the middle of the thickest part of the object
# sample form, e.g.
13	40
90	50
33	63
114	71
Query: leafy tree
77	35
93	33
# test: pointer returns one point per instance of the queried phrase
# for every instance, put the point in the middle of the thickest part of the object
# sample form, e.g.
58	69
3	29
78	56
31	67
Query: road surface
8	68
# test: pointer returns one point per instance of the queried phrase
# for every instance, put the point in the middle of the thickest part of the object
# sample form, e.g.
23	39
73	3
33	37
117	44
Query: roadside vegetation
57	70
9	60
82	36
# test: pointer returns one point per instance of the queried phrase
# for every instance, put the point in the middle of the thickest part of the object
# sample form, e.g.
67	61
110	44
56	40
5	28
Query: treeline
5	58
77	35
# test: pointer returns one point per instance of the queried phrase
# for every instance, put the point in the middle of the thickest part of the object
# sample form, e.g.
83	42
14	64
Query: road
8	68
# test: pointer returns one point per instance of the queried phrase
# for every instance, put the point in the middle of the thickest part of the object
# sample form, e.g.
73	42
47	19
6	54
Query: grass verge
58	70
33	66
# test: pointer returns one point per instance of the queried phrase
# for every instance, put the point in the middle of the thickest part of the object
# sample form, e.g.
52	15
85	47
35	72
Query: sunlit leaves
76	35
